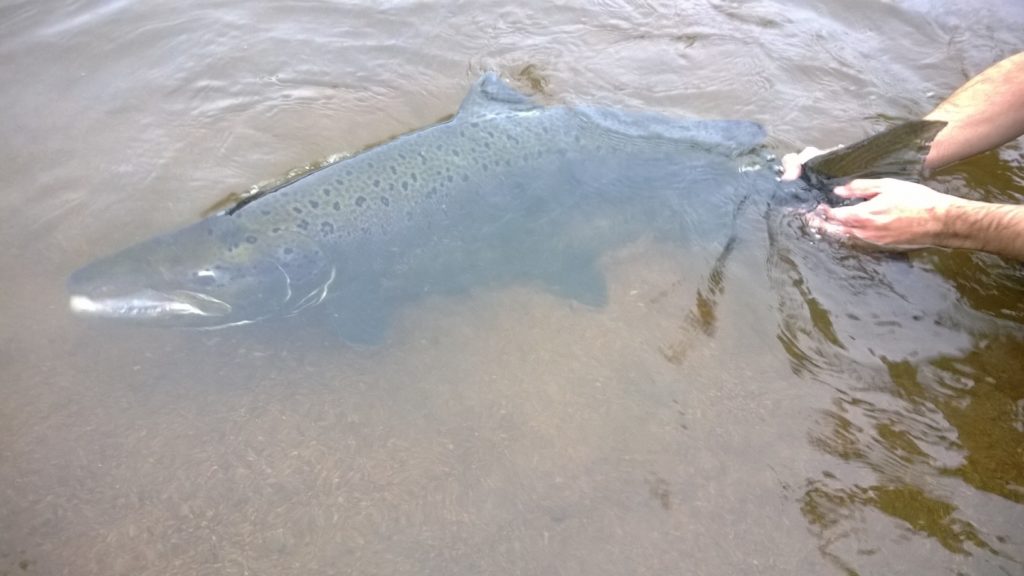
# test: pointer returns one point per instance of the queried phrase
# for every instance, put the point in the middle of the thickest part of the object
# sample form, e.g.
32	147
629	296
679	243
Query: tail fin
897	152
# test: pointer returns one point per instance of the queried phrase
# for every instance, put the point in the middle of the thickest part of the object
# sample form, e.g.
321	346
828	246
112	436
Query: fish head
217	272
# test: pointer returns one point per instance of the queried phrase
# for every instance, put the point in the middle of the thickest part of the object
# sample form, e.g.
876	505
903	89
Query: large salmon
506	191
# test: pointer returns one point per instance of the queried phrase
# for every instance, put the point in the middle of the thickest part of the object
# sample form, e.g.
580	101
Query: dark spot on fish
250	239
376	183
365	230
326	229
296	209
336	206
326	191
348	172
287	251
451	178
405	185
314	204
385	201
265	212
394	170
487	145
360	201
403	156
456	153
465	177
432	192
413	177
303	224
275	230
209	231
485	166
391	187
338	180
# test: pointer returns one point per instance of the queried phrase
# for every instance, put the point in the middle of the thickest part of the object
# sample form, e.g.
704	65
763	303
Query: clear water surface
811	408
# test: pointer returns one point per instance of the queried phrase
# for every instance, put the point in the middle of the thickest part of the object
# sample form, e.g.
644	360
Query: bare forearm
984	113
995	228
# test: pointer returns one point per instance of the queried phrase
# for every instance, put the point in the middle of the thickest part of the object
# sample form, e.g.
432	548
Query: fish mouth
150	305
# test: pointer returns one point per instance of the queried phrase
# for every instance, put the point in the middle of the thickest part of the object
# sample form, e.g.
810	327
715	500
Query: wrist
961	223
995	228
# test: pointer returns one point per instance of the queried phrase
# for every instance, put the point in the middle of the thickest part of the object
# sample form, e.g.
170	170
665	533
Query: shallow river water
812	408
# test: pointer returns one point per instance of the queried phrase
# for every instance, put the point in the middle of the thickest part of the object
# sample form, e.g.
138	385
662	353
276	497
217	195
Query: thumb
863	188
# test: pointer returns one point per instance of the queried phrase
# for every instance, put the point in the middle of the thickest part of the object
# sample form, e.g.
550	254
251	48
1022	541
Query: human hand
895	213
793	164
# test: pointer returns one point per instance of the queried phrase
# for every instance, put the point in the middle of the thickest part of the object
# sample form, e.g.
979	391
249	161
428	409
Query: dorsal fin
491	96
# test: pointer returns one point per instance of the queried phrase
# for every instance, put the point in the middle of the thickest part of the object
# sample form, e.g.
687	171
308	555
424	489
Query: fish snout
181	305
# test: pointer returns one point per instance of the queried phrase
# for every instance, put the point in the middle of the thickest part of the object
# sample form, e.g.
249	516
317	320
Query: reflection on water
779	404
923	426
923	353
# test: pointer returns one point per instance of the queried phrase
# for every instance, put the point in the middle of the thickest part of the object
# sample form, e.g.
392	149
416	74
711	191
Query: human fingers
864	188
846	224
791	167
810	152
822	222
793	164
